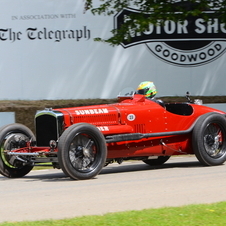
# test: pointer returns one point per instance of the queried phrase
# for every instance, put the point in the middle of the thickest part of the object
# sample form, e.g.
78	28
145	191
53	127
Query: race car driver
149	90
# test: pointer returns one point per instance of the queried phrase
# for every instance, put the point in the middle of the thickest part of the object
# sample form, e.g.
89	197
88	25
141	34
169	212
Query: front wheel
12	137
82	151
209	139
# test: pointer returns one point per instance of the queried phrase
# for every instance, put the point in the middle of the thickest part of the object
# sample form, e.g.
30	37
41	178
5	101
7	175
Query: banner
48	52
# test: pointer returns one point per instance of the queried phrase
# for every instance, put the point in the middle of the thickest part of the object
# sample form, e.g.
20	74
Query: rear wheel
82	151
12	137
209	139
155	162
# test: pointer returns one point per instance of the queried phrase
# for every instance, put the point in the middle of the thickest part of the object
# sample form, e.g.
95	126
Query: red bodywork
138	115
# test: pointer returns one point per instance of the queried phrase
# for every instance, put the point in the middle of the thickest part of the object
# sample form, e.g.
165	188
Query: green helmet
147	89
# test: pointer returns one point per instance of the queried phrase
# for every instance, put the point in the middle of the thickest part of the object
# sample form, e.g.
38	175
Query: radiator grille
48	127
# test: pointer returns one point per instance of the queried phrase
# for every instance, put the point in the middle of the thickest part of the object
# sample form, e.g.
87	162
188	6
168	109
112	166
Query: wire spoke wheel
209	139
12	142
12	137
82	151
213	140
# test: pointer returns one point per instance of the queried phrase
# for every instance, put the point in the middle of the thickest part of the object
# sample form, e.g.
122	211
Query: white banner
48	52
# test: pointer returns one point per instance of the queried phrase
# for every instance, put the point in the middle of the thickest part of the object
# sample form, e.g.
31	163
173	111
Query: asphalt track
49	194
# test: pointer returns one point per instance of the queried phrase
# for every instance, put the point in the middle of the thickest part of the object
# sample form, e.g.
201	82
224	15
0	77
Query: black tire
155	162
9	135
209	139
82	151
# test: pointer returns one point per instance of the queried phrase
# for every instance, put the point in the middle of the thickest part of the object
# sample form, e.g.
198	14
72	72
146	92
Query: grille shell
49	126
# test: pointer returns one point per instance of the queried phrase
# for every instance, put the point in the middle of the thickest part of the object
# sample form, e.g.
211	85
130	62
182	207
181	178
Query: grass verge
191	215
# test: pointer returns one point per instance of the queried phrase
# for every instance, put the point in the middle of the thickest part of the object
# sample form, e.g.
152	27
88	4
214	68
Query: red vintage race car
82	140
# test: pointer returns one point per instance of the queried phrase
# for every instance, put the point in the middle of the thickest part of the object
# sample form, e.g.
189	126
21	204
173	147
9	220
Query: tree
155	12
